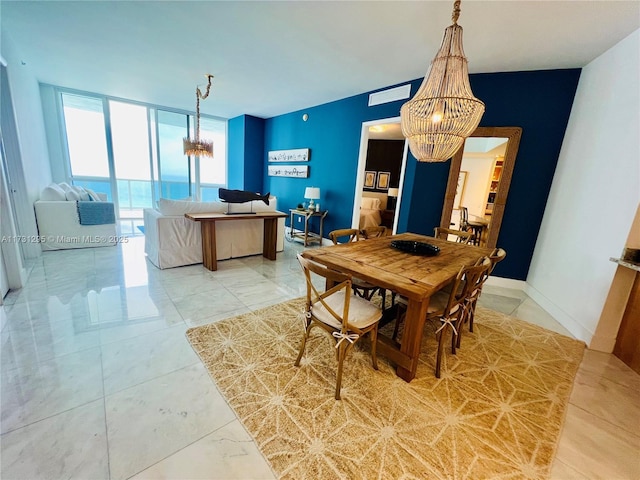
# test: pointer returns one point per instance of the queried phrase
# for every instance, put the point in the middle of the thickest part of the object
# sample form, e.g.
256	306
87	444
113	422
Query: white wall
479	170
27	107
594	195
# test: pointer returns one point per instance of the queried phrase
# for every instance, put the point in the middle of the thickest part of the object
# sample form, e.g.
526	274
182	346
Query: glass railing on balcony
135	195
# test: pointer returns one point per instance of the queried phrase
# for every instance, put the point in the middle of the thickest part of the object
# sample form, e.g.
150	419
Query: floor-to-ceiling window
132	168
174	169
213	171
132	152
85	128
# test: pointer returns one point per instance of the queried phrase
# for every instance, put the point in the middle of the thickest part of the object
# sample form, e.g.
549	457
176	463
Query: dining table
414	276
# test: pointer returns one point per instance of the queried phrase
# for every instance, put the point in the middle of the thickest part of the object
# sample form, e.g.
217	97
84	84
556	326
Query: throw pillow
82	193
253	206
53	192
93	196
180	207
72	195
370	203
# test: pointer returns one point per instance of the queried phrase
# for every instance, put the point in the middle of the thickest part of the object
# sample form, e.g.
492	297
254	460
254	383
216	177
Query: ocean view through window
132	152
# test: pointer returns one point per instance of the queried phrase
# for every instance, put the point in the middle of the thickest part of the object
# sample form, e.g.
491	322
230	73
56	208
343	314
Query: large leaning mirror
479	180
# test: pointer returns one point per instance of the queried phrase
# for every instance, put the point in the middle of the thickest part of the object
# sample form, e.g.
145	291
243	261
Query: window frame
154	143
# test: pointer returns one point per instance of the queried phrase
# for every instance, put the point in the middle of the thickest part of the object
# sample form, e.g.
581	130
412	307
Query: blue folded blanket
96	213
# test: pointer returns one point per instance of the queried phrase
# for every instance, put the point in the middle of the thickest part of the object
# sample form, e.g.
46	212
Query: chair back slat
496	257
342	282
461	237
466	282
344	235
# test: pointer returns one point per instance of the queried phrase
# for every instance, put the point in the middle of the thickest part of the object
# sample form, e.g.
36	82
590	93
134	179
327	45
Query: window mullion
112	166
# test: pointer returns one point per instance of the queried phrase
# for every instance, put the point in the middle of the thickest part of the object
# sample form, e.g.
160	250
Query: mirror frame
513	134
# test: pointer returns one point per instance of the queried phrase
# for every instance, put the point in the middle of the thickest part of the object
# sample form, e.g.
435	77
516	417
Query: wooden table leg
412	337
270	240
209	254
306	228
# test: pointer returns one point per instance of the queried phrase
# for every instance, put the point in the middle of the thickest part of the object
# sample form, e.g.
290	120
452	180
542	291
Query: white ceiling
272	57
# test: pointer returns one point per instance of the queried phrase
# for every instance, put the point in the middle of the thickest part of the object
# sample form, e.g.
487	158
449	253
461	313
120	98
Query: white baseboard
507	283
564	319
551	308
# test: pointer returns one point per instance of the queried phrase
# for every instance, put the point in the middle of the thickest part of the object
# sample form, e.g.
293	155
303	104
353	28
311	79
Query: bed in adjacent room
371	208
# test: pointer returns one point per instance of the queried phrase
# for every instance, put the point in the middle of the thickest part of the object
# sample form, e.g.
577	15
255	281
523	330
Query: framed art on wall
295	171
369	179
295	155
383	180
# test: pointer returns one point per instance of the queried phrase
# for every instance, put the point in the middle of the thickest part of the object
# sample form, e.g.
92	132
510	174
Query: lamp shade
392	192
312	193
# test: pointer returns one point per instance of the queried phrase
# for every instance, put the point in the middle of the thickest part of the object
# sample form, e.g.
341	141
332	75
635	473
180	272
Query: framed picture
295	171
369	179
295	155
383	180
462	180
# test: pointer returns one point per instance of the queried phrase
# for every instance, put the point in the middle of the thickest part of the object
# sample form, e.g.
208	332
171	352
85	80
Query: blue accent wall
332	132
235	155
538	101
246	153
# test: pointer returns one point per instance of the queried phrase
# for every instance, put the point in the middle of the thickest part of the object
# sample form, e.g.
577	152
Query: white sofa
172	240
59	224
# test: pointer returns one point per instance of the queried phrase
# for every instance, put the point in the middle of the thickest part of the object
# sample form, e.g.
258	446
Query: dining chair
448	307
461	236
471	299
464	219
465	226
374	232
495	257
339	312
360	287
344	235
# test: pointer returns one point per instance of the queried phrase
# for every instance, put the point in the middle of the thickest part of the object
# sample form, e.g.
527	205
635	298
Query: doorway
376	183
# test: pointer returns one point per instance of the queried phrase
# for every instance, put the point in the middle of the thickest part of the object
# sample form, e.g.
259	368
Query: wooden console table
208	232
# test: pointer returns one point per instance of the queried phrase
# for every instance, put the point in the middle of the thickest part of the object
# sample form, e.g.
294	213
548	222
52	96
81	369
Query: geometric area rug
496	413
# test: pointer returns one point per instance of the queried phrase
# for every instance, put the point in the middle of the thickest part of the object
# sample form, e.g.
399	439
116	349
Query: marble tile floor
99	382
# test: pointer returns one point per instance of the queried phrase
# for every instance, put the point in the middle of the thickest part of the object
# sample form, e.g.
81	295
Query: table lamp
393	194
312	193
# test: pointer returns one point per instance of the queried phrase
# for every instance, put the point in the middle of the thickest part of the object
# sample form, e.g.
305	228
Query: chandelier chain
195	146
456	12
199	96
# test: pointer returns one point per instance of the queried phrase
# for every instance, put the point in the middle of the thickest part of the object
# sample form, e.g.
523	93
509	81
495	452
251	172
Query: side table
307	236
387	218
479	227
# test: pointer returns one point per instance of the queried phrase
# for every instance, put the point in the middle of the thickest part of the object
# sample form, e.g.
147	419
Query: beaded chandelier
197	147
443	112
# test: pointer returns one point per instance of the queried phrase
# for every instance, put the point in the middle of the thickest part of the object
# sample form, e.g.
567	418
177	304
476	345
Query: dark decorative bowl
418	248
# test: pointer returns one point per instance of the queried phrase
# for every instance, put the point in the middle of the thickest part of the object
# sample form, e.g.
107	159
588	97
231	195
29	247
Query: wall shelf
623	263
